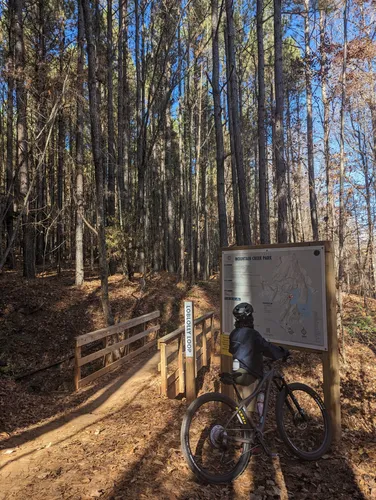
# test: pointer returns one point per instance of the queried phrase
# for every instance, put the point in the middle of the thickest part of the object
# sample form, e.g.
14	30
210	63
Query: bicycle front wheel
215	438
303	421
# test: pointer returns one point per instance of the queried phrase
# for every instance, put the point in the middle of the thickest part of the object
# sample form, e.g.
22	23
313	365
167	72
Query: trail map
286	287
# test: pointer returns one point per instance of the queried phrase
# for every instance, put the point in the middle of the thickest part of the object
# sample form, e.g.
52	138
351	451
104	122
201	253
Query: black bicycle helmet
242	311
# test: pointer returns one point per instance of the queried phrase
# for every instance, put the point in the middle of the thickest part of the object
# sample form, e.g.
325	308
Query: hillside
130	448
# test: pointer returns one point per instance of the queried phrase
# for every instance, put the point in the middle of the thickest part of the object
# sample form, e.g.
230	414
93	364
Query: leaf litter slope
131	448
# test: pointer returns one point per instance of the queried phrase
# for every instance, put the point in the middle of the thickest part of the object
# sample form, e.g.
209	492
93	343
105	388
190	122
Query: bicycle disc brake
218	437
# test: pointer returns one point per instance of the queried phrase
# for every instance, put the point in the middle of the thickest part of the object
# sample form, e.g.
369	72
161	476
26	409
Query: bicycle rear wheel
212	435
303	421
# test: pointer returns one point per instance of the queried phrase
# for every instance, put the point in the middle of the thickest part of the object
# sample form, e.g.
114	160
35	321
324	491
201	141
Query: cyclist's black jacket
249	347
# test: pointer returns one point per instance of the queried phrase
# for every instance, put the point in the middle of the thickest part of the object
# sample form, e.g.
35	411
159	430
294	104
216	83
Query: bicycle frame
243	403
269	377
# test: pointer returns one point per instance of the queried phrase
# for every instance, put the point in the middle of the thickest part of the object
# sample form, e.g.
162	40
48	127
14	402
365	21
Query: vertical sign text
189	326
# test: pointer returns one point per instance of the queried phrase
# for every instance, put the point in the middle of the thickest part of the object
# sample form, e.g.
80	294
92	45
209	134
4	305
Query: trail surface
50	451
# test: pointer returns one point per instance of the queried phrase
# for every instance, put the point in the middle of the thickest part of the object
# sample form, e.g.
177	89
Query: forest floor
118	438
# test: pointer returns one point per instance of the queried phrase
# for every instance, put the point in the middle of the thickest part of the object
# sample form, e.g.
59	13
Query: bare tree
236	125
341	220
220	155
311	169
79	151
280	164
96	135
9	162
22	142
264	219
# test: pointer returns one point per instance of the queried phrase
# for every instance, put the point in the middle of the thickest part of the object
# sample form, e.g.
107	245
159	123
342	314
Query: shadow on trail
161	473
81	429
113	387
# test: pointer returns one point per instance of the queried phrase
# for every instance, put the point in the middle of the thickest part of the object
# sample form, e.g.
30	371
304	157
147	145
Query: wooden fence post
190	351
164	386
181	365
204	345
212	346
330	361
77	367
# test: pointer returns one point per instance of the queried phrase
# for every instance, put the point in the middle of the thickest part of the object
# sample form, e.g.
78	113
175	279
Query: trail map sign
292	289
286	287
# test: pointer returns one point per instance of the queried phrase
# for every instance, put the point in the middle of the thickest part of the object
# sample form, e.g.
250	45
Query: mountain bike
219	435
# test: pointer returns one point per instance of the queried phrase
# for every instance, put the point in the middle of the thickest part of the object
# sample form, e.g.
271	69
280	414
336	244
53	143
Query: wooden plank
204	346
163	363
118	328
173	389
203	317
171	357
171	336
199	338
114	347
118	362
171	378
211	337
181	366
330	359
209	348
77	367
199	363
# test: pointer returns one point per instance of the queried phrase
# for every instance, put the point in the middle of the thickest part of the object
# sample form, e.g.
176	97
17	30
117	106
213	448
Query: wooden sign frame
330	357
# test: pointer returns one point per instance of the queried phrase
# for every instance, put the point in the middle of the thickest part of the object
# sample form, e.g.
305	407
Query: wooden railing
172	349
120	347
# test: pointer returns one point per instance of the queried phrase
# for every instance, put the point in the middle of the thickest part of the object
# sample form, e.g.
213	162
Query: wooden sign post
330	361
190	351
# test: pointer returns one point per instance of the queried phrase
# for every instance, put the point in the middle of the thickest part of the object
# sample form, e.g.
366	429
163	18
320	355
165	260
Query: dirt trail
124	443
33	452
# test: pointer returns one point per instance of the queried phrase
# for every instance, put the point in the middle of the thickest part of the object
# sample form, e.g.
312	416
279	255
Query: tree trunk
290	163
264	219
341	219
182	169
220	155
279	138
80	152
22	143
40	70
234	177
110	120
237	133
97	156
311	169
198	163
9	163
122	112
60	165
324	82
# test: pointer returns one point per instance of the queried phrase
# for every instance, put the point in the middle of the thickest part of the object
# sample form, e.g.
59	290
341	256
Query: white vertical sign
189	328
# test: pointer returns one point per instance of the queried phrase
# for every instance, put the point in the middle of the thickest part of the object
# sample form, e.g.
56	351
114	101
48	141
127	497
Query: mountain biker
248	347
